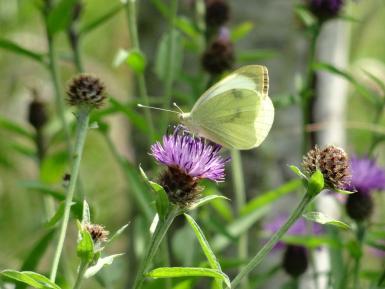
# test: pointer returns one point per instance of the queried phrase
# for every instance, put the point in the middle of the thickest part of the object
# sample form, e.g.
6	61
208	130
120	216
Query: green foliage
59	18
85	247
316	183
15	48
32	279
321	218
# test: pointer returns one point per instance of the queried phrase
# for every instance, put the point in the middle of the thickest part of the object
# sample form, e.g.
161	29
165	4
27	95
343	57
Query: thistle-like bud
333	163
325	9
86	89
217	13
37	114
219	56
98	233
359	206
295	260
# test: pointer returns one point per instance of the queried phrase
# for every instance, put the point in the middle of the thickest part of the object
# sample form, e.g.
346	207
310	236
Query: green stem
79	278
82	127
130	6
153	246
273	241
360	236
240	201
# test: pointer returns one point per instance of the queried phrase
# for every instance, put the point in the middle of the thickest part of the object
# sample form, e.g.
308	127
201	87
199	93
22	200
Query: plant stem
133	30
360	235
153	246
82	127
240	200
273	241
82	269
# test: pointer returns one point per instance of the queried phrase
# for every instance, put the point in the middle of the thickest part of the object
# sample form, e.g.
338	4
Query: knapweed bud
333	163
295	260
325	9
86	89
98	233
217	13
37	114
189	160
359	206
219	56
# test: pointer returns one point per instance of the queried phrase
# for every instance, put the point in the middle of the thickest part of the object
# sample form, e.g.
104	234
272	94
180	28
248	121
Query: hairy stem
82	269
130	6
82	127
153	246
273	241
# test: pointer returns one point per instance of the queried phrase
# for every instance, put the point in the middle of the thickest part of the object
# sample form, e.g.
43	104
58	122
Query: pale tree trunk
333	48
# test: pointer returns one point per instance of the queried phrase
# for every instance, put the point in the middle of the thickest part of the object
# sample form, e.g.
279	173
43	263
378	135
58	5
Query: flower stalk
82	270
153	246
82	127
274	240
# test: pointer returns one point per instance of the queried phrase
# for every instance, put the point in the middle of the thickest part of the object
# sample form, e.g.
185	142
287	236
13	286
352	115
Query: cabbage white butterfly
236	112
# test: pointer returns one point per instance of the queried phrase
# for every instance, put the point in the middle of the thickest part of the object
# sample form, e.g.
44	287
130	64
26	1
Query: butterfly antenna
174	104
156	108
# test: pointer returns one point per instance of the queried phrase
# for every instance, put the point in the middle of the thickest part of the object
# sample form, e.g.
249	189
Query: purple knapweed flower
295	257
189	159
367	177
325	9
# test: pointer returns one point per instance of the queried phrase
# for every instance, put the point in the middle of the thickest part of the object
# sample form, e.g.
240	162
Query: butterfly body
236	112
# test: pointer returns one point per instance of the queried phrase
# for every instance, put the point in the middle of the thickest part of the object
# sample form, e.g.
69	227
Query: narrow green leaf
15	48
344	192
312	241
44	189
57	216
298	172
241	31
117	233
162	202
321	218
271	196
162	62
305	15
316	183
86	215
60	16
174	272
98	21
15	128
136	61
91	271
85	247
32	279
214	264
202	201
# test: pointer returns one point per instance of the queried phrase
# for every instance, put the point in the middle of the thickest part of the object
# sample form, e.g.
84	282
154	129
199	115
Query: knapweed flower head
367	177
189	159
86	89
295	257
325	9
219	55
98	233
333	162
37	113
217	13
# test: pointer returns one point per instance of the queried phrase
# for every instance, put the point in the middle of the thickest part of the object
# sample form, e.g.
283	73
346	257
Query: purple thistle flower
325	9
189	159
367	176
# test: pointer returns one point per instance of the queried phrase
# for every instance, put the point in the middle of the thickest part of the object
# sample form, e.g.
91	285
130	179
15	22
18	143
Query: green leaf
98	21
305	15
298	172
15	48
214	264
321	218
15	128
91	271
60	16
312	241
44	189
117	233
344	192
162	61
316	183
32	279
86	215
241	31
202	201
85	247
361	89
271	196
161	200
174	272
57	216
136	61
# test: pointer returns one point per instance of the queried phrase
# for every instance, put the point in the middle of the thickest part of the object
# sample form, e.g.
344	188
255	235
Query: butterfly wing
252	77
236	118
